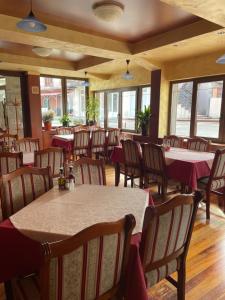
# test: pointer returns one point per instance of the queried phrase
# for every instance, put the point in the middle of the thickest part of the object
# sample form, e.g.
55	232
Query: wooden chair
88	171
98	142
132	162
113	140
64	130
52	157
28	145
10	162
19	188
215	183
198	144
8	138
81	143
72	268
174	141
154	166
165	240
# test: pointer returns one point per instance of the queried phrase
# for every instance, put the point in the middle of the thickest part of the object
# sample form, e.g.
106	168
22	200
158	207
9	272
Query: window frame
193	124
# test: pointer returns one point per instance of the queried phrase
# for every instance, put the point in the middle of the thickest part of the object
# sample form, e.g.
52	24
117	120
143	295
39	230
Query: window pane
76	101
128	110
146	97
51	97
100	96
209	98
113	109
181	108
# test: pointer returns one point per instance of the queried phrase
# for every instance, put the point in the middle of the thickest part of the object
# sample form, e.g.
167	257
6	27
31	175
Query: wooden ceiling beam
211	10
64	39
99	76
90	61
146	63
174	36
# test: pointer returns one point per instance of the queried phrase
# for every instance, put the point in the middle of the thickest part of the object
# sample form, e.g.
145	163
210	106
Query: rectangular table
57	215
64	141
183	165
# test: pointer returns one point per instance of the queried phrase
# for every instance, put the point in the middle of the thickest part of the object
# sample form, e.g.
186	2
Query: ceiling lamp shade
41	51
31	23
85	82
108	11
127	75
221	60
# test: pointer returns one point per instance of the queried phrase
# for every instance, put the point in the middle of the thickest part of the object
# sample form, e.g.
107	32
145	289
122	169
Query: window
145	97
112	110
208	108
101	97
181	108
128	110
51	97
76	101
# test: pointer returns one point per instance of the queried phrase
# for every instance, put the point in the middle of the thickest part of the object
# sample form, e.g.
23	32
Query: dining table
183	165
28	158
64	141
57	215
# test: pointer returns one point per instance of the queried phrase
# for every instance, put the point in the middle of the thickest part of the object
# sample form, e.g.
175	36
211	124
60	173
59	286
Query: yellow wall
141	77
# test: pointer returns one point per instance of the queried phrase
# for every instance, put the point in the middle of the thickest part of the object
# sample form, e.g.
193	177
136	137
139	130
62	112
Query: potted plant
47	118
92	110
65	120
143	118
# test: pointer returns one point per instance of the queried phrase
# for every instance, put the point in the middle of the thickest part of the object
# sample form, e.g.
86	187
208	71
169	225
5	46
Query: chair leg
132	181
141	182
125	180
207	205
181	282
8	290
159	189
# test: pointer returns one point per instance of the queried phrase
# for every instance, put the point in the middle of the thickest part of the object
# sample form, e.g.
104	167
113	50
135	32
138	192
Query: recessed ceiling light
41	51
108	11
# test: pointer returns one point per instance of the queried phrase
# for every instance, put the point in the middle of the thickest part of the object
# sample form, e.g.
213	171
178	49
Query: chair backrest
174	141
8	138
10	162
81	142
89	171
132	153
89	265
52	157
19	188
64	130
113	136
166	235
198	144
28	145
153	158
98	138
217	174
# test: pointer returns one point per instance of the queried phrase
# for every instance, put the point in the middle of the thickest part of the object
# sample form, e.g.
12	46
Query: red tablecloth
185	171
67	145
20	256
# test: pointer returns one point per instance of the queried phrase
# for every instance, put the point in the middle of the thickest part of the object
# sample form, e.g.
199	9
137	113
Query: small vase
65	124
144	130
48	126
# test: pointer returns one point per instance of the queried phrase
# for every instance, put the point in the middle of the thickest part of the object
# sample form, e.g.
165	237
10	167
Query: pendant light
85	82
221	60
127	75
31	23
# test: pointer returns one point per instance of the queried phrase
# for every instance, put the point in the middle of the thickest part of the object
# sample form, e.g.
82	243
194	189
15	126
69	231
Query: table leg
117	174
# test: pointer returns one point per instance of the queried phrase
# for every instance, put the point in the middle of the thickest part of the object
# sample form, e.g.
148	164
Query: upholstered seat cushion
130	171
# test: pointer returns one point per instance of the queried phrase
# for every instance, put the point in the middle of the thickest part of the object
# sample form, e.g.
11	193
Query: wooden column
32	106
155	103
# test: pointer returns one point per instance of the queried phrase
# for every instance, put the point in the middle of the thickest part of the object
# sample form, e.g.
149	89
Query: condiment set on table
66	182
166	145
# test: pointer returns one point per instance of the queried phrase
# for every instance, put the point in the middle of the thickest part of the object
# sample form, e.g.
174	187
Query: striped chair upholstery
51	157
166	235
113	138
64	130
9	139
10	162
173	140
98	142
215	183
28	145
89	171
132	161
154	165
89	265
19	188
198	144
81	144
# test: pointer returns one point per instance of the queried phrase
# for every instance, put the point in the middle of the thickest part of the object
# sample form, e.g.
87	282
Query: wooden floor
206	258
